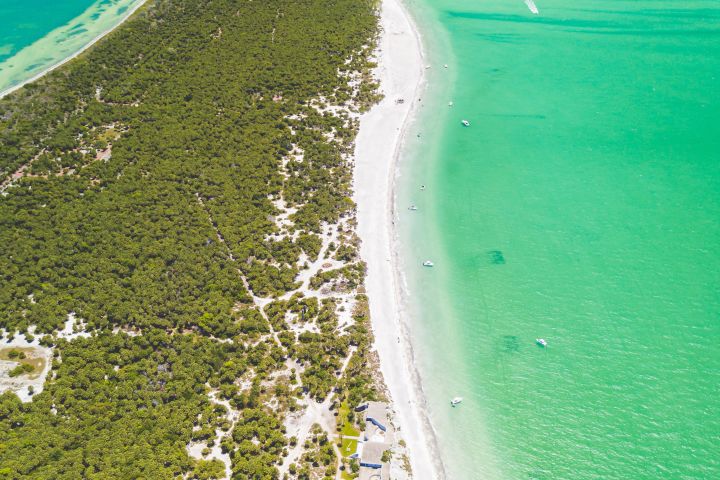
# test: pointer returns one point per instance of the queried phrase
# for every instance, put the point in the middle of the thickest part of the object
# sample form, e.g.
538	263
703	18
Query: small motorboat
450	104
428	263
541	342
466	123
422	187
456	401
412	207
445	65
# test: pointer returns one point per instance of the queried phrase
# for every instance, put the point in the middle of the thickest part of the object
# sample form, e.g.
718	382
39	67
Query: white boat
428	263
541	342
531	5
412	207
450	104
456	401
445	65
422	187
466	123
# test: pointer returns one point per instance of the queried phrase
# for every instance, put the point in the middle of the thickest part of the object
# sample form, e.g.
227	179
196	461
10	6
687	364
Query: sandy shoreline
382	131
128	14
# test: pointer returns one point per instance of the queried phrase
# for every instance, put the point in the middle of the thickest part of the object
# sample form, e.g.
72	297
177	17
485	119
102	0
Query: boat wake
531	5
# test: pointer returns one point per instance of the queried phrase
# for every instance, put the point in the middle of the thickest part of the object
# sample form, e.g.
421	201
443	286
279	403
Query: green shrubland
148	167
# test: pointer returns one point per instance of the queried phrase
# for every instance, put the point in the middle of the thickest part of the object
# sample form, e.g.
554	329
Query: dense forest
169	188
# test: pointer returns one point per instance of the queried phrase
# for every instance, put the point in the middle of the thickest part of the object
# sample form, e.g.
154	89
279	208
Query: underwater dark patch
496	257
510	343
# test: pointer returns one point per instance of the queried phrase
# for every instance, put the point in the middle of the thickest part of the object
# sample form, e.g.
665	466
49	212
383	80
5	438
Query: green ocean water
582	206
37	34
24	22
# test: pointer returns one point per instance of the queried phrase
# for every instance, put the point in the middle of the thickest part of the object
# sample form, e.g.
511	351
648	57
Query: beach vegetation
208	470
22	369
346	475
15	354
138	193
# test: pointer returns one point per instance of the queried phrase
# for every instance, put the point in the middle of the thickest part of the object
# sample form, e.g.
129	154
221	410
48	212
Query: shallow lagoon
38	34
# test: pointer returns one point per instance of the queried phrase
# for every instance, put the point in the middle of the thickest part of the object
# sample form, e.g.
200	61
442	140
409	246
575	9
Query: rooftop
372	452
378	411
370	474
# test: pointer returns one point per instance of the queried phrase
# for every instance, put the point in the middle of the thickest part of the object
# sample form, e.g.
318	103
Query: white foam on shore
64	43
382	130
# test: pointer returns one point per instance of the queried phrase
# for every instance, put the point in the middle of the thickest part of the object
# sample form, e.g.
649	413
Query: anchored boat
428	263
456	401
541	342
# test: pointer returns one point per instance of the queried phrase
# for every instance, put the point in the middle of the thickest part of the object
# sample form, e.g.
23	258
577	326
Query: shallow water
582	205
37	34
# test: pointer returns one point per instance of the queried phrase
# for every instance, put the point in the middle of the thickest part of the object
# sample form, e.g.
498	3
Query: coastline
62	62
378	146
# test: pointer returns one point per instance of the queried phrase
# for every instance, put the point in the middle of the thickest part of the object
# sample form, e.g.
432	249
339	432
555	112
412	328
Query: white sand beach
378	144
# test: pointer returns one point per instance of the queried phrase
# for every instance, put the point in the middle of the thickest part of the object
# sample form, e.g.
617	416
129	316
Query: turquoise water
581	206
37	34
24	22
